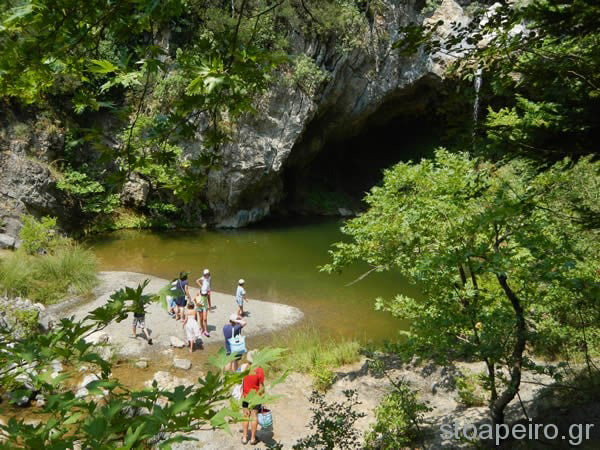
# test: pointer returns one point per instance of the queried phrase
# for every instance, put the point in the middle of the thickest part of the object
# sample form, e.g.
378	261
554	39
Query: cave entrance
334	179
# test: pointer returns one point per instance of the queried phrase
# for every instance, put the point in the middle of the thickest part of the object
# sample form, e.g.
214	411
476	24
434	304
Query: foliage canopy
155	88
501	253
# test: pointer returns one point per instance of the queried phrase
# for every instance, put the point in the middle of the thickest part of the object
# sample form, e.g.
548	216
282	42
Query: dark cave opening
334	179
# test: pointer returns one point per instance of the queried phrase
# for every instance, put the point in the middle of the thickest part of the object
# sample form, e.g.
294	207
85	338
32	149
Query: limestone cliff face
365	84
26	183
368	82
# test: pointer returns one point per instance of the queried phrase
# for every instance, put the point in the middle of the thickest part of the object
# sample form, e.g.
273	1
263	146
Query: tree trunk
497	407
491	368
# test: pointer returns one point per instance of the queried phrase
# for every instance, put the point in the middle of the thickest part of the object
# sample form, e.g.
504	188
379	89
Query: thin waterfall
477	85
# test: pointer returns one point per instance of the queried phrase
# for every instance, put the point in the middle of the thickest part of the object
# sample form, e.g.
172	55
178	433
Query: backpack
237	344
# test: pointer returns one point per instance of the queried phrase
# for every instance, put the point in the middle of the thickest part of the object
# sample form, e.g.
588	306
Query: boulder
135	191
40	401
47	321
141	364
176	342
83	391
165	380
19	400
99	337
25	381
7	241
32	422
184	364
106	352
57	368
26	186
130	411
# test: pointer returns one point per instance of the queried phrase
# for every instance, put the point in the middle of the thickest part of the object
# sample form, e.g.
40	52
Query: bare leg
253	425
205	321
134	334
148	338
245	425
191	346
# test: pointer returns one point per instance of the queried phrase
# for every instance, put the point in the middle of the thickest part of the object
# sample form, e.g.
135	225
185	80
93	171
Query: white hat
206	272
250	356
241	281
234	317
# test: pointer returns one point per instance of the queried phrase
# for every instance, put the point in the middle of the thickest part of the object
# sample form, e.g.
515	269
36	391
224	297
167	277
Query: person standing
201	302
139	320
233	328
254	381
182	294
204	285
240	297
192	330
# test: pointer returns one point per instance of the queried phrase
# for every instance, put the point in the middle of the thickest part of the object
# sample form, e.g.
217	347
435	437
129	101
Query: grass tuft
67	271
311	352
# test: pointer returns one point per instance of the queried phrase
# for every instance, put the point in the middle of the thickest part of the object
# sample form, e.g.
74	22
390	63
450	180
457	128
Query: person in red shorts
254	381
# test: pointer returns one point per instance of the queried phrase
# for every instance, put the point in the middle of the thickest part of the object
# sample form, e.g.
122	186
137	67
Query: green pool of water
279	263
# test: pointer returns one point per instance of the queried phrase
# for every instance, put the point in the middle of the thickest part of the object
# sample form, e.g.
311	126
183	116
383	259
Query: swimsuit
203	304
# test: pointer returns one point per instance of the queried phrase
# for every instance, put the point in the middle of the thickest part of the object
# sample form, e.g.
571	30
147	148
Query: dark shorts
180	301
255	407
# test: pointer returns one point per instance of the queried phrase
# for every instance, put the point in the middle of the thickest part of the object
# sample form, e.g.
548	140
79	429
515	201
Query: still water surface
279	263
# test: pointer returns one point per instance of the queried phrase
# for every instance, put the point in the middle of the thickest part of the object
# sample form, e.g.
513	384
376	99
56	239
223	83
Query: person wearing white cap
204	285
233	328
240	297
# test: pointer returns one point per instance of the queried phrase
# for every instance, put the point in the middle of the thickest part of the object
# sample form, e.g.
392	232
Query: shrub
37	235
398	419
91	195
323	377
306	74
431	6
469	390
22	322
26	320
332	423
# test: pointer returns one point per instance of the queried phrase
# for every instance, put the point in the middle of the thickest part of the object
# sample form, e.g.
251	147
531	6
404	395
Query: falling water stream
477	86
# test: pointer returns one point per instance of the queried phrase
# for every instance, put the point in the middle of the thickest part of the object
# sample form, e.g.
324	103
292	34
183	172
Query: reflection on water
279	262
